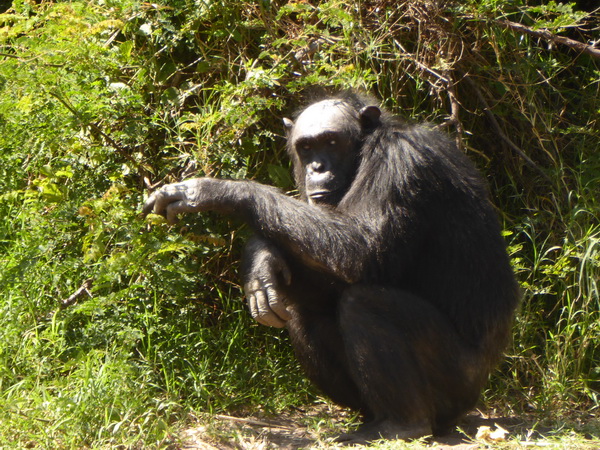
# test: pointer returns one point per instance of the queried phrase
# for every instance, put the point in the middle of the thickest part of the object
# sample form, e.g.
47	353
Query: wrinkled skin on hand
193	195
264	271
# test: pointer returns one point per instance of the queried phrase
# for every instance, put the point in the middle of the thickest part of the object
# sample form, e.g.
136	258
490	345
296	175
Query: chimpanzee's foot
384	429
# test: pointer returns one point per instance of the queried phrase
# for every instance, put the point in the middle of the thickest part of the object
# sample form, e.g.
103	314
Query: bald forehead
325	116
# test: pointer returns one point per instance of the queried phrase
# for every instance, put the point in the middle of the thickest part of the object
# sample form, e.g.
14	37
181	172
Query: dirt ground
477	430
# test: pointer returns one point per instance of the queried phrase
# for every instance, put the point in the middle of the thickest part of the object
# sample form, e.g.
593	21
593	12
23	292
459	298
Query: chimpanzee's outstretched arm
322	237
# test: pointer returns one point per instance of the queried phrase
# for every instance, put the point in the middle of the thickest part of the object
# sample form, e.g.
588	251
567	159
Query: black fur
403	295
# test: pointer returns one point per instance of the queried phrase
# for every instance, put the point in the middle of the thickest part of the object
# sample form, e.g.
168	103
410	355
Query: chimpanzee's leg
320	350
412	370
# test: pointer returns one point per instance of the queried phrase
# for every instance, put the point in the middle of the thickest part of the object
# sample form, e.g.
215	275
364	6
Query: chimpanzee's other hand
265	271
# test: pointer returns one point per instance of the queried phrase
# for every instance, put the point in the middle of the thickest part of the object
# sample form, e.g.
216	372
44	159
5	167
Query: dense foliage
101	101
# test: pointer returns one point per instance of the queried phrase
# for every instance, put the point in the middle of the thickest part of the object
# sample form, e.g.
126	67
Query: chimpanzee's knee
406	357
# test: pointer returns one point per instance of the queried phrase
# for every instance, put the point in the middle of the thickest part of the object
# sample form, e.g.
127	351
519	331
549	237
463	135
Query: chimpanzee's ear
288	124
369	116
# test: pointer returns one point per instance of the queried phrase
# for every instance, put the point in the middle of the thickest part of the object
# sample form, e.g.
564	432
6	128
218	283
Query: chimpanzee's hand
264	271
188	196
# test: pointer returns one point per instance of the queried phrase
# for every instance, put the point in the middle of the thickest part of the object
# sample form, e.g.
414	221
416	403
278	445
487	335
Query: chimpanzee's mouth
323	196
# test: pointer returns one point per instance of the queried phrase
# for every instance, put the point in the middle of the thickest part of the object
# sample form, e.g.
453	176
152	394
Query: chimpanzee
389	271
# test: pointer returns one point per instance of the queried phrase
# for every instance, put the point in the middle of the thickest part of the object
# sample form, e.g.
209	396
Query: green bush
102	101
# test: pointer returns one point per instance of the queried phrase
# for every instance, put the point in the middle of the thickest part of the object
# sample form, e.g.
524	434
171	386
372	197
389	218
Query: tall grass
102	101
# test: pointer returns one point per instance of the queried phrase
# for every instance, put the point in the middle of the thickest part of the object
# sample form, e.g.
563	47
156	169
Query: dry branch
545	34
253	422
72	299
98	130
498	129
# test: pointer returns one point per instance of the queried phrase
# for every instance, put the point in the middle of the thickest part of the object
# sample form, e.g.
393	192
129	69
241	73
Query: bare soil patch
316	428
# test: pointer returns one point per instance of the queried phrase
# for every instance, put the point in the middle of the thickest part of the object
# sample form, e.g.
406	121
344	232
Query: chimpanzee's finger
166	195
277	305
178	207
149	205
251	299
265	315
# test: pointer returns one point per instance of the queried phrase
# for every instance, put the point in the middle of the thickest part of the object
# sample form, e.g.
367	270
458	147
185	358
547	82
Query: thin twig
496	126
72	299
422	66
98	130
547	35
33	418
454	119
253	422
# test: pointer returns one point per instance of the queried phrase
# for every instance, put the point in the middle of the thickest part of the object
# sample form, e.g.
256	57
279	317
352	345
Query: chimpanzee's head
324	143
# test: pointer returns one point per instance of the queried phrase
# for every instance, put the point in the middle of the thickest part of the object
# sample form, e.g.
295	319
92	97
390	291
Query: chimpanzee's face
324	138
